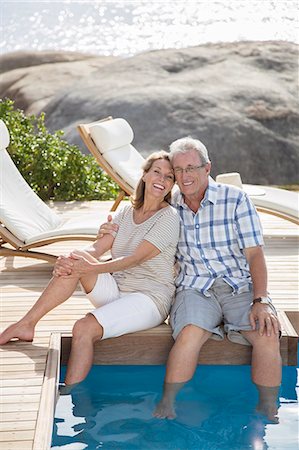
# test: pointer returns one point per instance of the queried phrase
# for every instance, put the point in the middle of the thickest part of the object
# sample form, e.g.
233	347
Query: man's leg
266	370
181	365
58	291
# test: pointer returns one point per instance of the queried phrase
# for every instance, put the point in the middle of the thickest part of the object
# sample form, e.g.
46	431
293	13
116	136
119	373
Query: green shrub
53	168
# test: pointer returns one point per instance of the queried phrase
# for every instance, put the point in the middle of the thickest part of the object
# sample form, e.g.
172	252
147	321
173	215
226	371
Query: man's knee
264	342
191	333
87	328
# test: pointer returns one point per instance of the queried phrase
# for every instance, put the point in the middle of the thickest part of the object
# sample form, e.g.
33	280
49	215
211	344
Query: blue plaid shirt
212	240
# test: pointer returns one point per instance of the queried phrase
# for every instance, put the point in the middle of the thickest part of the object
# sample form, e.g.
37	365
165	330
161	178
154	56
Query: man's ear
208	168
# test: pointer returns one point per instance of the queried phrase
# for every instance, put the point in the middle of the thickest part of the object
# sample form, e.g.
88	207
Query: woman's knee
87	328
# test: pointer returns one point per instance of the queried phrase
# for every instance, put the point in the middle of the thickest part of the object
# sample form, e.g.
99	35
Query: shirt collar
210	194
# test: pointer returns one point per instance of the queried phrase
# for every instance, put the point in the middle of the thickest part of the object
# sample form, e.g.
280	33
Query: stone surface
240	99
33	79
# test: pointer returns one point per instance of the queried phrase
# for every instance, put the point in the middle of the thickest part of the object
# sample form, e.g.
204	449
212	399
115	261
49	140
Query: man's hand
268	322
108	228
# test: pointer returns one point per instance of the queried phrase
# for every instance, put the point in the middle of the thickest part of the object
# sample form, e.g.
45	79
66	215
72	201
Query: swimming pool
112	409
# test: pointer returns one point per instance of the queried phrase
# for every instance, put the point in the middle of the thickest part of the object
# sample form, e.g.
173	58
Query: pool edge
45	419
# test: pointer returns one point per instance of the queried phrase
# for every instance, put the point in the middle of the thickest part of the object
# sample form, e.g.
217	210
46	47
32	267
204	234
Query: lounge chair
109	140
26	222
279	202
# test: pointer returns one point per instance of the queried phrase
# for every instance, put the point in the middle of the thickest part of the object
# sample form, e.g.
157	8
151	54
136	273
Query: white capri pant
121	313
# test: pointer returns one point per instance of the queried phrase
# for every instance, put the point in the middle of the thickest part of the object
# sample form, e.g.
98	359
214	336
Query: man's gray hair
186	144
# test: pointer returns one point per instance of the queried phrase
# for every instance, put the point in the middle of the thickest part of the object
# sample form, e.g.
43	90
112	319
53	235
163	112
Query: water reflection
113	409
128	27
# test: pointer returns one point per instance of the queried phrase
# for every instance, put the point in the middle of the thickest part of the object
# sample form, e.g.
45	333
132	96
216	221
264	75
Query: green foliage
53	168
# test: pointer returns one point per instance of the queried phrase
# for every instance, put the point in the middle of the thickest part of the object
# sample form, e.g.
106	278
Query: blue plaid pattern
212	240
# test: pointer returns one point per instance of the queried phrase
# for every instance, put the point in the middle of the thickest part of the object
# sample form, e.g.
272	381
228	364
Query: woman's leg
86	332
127	314
58	291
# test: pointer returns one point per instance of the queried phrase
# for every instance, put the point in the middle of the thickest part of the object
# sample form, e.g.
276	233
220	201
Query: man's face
194	182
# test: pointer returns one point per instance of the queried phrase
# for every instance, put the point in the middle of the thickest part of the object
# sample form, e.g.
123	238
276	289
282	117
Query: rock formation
240	99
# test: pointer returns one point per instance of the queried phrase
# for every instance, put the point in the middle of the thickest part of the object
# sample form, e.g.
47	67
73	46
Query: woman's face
159	180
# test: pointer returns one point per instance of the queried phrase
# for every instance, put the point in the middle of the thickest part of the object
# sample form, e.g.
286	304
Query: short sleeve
165	231
120	214
248	225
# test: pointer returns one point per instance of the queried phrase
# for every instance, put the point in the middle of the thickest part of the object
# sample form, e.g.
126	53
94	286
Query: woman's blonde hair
137	197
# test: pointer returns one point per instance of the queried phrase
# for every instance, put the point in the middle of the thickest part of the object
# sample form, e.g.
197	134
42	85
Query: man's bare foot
268	410
165	410
268	402
19	330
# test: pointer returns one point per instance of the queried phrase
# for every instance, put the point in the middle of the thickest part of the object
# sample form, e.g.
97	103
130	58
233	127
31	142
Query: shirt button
196	226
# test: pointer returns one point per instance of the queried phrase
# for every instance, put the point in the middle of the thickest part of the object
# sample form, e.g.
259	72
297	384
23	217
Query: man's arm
268	321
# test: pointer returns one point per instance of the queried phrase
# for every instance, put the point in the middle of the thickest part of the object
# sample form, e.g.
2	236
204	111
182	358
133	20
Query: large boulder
240	99
32	79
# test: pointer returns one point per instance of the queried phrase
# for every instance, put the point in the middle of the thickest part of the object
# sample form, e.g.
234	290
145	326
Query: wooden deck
22	281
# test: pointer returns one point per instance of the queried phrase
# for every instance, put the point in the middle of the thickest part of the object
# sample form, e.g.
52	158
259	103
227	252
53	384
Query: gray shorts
222	312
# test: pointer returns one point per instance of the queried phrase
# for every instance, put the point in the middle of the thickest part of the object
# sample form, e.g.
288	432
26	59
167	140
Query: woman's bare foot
19	330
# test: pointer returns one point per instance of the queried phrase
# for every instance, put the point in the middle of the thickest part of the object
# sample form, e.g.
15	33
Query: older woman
131	292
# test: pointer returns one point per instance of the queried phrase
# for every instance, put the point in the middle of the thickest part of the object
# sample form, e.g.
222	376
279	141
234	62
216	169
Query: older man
222	278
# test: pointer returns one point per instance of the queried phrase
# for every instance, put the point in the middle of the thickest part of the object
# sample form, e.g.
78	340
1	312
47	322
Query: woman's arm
143	252
64	265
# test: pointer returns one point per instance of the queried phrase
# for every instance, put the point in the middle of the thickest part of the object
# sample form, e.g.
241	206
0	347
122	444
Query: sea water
127	27
112	409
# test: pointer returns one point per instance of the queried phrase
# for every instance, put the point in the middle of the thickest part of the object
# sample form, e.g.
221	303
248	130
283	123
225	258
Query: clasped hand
73	266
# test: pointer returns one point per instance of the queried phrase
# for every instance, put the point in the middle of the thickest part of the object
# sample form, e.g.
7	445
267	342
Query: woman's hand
81	266
63	266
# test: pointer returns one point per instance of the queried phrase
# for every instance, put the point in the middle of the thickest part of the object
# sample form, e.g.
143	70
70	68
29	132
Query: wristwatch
264	300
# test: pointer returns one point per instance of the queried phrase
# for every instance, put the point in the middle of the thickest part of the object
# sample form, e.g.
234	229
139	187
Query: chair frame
125	188
19	248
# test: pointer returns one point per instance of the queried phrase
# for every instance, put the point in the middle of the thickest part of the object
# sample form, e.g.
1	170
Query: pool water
112	409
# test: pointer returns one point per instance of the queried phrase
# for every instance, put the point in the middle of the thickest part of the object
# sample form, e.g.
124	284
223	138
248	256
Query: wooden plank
16	435
151	347
21	407
17	426
17	445
15	416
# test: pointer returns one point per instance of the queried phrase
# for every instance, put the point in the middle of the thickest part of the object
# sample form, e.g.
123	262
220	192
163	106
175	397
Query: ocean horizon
125	28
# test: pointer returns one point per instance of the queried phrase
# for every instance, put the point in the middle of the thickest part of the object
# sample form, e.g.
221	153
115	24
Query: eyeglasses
189	169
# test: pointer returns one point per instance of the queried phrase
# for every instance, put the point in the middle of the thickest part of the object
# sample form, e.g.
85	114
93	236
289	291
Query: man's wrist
264	300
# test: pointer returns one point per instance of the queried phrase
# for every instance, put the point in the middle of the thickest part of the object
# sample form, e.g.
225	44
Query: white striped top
155	277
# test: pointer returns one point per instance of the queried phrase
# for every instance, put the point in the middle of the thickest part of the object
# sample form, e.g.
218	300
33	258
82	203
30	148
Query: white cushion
111	134
4	136
21	210
127	162
280	200
113	139
84	226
